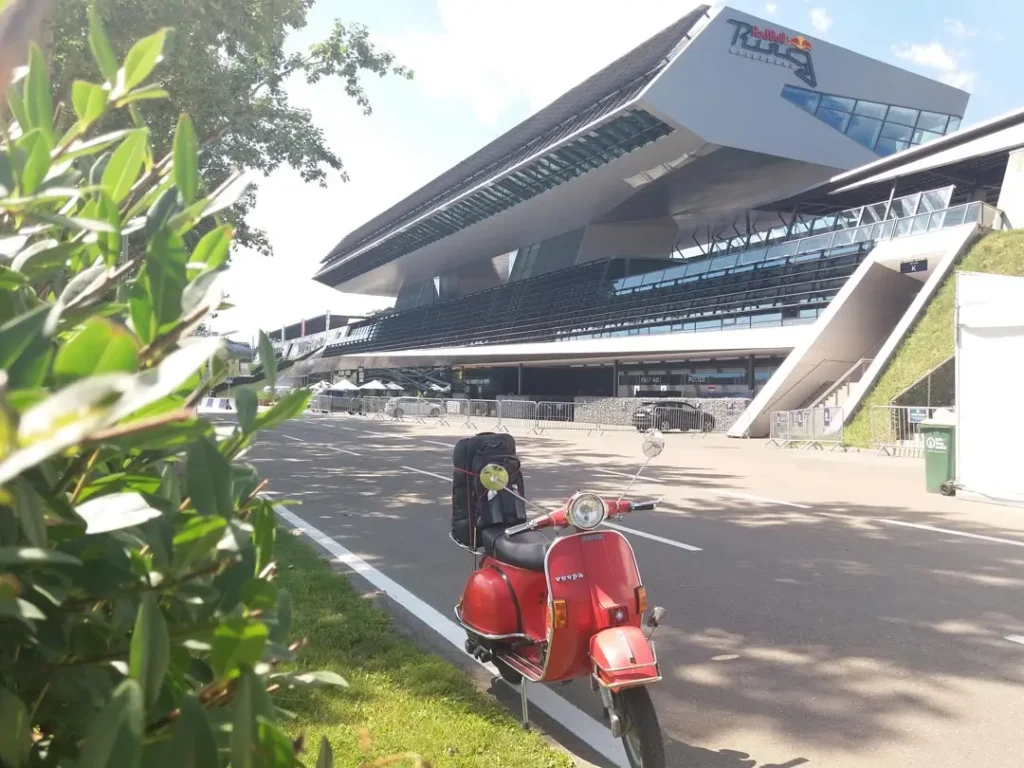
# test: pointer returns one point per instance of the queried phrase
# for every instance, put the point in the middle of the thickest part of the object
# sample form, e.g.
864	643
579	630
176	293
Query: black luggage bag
473	506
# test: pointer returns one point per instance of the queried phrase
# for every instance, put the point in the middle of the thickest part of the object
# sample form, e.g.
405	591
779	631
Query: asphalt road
822	610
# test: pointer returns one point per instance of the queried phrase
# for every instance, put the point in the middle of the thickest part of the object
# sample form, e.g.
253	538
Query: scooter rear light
618	615
559	614
641	601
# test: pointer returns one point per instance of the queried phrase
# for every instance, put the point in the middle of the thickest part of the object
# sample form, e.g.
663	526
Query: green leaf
193	744
288	407
38	96
28	508
142	59
236	642
280	631
326	757
9	279
170	488
33	557
125	165
141	308
197	539
70	222
90	101
44	257
148	93
16	101
114	740
115	512
186	160
36	147
264	524
21	610
150	652
160	212
274	749
99	43
109	242
251	704
15	730
259	595
209	480
203	293
92	146
100	346
166	277
310	679
6	175
268	359
248	406
213	250
17	333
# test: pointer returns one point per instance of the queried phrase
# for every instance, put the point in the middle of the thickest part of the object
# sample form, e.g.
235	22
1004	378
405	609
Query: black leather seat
525	550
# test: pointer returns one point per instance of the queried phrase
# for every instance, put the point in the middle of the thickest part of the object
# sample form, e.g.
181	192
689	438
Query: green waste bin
939	456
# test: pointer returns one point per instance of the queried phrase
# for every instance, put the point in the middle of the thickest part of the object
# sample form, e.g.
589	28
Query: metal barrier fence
808	428
896	429
517	414
420	410
552	415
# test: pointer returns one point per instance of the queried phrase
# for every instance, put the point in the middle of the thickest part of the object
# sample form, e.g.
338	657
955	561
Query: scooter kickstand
525	702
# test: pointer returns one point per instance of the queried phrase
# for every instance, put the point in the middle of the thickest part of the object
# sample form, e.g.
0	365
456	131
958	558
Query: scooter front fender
623	658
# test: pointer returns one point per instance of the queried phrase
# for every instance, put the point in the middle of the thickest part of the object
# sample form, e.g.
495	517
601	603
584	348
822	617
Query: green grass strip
409	701
930	340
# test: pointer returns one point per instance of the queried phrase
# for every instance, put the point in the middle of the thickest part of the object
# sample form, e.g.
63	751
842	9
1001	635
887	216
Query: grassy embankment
408	700
930	341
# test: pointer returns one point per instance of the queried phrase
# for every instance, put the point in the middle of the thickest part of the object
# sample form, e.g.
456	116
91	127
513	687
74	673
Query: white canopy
344	385
373	385
394	387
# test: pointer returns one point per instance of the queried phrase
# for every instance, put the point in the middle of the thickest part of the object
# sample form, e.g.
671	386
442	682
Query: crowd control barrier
808	429
896	429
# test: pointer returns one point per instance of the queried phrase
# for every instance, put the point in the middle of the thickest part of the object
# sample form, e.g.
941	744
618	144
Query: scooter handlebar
644	506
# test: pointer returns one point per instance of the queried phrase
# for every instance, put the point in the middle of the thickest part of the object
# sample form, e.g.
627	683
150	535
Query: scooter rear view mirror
494	477
654	444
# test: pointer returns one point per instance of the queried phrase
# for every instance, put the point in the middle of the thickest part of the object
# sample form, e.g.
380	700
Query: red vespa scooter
551	609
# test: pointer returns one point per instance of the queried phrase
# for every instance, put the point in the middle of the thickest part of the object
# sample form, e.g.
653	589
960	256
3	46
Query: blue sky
484	65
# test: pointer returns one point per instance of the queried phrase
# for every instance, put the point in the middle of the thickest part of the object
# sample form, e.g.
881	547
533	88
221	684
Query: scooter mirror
494	477
654	443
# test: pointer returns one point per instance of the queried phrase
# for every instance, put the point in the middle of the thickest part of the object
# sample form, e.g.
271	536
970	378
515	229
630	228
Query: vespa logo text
569	577
774	47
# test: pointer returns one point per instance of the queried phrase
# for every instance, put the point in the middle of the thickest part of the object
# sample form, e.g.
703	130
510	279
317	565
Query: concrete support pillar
1011	196
519	385
615	378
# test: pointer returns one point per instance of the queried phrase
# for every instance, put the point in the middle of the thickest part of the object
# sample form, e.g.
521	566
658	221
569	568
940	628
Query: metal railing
896	429
808	429
516	414
419	410
554	415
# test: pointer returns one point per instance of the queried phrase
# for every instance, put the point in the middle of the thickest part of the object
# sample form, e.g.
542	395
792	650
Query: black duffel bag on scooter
474	508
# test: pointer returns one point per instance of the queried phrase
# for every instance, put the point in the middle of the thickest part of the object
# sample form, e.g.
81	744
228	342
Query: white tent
989	366
373	385
394	387
438	388
344	385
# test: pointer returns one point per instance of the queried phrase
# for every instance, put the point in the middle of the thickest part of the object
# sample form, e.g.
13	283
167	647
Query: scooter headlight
586	511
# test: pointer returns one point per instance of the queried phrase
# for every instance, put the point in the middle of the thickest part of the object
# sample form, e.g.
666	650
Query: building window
883	128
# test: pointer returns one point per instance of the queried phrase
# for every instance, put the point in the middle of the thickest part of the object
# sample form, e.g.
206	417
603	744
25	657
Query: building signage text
774	47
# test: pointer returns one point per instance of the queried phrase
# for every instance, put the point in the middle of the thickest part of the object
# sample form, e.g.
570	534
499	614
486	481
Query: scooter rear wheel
645	747
508	674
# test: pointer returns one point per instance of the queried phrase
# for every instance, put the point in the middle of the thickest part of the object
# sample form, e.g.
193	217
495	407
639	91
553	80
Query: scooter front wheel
642	737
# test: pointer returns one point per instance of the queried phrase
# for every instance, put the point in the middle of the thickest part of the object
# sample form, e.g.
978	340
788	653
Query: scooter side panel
569	648
500	599
612	574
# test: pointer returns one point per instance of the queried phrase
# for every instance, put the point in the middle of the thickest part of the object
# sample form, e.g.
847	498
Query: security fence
896	429
552	415
419	410
517	414
808	429
681	417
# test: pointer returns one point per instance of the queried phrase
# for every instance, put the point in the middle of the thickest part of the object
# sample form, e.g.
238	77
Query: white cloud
495	56
937	57
932	55
959	30
820	20
772	8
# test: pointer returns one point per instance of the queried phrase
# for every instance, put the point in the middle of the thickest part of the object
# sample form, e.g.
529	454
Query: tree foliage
227	70
140	621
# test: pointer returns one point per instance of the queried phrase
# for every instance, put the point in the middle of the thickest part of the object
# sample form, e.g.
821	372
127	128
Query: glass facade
722	377
883	128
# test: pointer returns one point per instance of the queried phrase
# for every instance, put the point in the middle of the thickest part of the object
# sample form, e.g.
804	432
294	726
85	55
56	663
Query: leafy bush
140	623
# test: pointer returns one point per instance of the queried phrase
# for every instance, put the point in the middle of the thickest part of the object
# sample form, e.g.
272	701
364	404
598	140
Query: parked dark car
667	416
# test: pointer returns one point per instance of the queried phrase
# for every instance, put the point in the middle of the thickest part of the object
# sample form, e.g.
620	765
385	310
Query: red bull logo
763	44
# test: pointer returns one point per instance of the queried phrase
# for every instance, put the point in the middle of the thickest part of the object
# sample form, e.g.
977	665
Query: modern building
701	218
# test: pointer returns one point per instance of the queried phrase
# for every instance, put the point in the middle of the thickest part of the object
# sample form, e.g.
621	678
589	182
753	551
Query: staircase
836	395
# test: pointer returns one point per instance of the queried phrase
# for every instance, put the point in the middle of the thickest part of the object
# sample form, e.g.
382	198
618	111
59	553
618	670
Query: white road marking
350	453
1019	639
763	499
429	474
604	471
435	442
652	537
296	439
568	715
995	539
